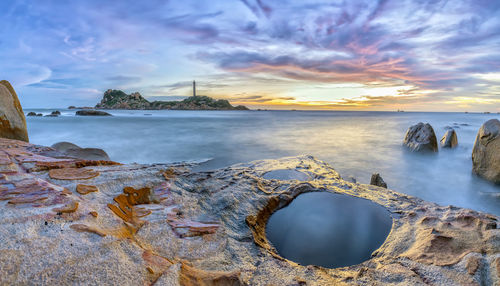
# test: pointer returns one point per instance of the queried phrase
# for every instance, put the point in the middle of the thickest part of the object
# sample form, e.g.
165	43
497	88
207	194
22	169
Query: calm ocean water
354	143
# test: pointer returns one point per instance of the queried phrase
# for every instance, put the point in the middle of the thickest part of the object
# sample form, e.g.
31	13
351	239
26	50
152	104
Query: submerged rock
145	224
376	180
75	151
486	151
421	137
12	120
92	113
449	139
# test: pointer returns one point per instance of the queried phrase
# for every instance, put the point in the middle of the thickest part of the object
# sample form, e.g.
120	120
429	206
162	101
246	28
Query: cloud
257	49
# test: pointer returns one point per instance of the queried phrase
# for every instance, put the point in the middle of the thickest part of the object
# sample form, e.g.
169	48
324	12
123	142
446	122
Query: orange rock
86	228
190	276
86	189
140	196
28	199
68	208
93	213
72	174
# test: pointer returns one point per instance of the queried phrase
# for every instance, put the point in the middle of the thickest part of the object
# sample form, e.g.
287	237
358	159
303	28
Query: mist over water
329	230
355	143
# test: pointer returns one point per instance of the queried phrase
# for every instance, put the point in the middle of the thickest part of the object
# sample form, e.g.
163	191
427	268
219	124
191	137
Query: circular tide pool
329	230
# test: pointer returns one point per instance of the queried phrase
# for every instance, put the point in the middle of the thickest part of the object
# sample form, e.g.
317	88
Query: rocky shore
72	221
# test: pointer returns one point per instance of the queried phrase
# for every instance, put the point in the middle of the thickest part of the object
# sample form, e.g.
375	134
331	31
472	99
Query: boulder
39	114
421	137
31	113
377	180
75	151
64	146
449	139
56	112
486	151
12	120
92	113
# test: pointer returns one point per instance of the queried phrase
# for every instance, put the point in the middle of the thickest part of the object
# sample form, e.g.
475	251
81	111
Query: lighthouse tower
194	88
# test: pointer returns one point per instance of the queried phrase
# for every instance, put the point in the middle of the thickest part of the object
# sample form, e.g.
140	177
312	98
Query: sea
356	144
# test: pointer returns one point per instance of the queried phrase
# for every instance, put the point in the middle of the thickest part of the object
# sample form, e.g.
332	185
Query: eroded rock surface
162	224
486	151
12	119
449	139
421	137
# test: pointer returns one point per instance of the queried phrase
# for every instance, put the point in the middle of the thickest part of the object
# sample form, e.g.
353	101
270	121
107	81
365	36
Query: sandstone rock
12	120
449	139
176	227
486	151
92	113
75	151
421	137
376	180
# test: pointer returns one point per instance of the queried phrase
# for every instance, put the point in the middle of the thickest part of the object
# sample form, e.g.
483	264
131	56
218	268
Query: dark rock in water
486	151
92	113
12	120
80	107
64	146
31	113
51	115
56	112
449	139
421	137
75	151
39	114
377	180
88	154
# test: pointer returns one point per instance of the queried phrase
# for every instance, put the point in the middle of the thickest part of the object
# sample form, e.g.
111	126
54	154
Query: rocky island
117	99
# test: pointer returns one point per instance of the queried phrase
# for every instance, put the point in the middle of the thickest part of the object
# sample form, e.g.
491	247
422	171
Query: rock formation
117	99
12	120
421	137
75	151
92	113
449	139
486	151
376	180
31	113
99	222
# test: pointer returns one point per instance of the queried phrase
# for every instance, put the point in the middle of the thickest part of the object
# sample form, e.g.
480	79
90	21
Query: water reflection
328	230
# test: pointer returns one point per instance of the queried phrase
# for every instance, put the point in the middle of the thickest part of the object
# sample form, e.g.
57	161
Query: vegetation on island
117	99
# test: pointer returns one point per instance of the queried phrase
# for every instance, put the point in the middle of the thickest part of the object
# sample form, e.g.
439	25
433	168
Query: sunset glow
351	55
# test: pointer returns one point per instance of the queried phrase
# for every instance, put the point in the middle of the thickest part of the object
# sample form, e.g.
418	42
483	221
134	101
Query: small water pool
329	230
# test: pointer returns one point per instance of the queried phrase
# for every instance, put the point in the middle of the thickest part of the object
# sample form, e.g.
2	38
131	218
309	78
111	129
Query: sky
289	54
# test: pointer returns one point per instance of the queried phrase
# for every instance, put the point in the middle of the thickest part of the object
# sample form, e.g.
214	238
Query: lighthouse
194	88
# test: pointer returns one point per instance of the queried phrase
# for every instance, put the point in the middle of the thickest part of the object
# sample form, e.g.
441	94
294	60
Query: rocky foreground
72	221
